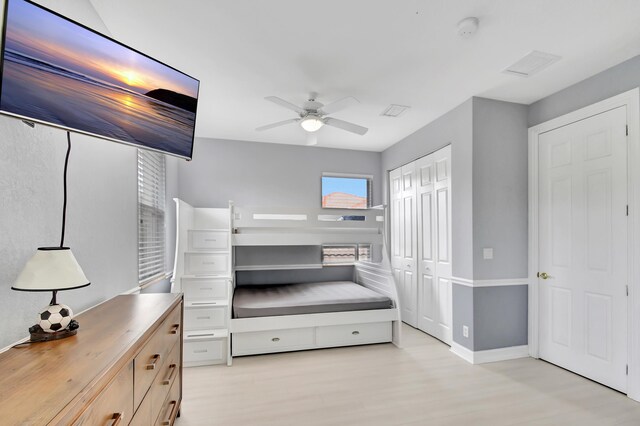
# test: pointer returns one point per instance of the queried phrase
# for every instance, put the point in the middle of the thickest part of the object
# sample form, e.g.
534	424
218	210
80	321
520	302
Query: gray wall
261	174
455	128
462	297
499	189
615	80
500	317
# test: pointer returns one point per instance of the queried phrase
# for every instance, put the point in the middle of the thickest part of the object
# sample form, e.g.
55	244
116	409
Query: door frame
631	100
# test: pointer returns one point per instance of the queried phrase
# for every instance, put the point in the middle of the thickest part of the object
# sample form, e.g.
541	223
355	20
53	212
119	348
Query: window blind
151	216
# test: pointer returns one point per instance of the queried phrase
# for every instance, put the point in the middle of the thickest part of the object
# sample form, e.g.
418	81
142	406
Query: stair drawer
205	317
204	288
204	348
272	341
206	263
208	240
353	334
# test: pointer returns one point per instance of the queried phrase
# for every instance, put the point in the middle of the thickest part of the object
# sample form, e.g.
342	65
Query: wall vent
394	110
532	63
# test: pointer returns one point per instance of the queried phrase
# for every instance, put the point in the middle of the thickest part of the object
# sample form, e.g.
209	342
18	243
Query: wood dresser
124	367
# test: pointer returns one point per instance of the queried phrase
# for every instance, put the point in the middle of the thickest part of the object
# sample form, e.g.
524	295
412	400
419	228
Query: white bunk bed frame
253	226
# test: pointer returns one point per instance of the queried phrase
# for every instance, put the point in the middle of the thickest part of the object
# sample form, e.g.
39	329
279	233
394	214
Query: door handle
543	275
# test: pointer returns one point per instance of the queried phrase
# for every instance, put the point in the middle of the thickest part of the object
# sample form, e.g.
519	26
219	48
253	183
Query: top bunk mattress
307	298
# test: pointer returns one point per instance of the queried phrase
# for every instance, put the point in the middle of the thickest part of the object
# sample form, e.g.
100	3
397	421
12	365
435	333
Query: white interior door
403	240
434	243
583	247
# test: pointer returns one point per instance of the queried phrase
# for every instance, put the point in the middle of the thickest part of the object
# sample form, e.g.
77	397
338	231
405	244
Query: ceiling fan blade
312	138
345	125
279	123
338	105
287	105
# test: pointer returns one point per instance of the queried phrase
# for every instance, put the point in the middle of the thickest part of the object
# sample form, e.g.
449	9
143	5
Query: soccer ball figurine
55	318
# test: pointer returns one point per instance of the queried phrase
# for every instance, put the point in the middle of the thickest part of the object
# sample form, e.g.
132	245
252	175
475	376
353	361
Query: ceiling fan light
311	123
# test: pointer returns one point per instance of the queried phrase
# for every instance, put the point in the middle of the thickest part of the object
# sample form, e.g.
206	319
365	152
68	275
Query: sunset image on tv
58	72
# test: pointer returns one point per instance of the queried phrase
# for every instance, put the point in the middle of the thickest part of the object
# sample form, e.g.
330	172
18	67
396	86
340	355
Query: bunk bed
299	316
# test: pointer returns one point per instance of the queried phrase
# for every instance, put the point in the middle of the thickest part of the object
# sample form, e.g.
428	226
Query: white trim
490	355
490	283
346	175
630	100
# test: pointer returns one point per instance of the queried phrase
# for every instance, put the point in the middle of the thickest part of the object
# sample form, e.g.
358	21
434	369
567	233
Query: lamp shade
51	268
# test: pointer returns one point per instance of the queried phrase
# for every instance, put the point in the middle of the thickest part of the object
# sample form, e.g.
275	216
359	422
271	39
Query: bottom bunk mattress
307	298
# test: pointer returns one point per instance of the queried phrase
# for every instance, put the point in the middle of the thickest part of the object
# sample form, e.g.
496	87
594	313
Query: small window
151	216
342	191
345	254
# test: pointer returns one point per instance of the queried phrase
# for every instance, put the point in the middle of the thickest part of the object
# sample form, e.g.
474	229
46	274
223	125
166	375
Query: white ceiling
403	51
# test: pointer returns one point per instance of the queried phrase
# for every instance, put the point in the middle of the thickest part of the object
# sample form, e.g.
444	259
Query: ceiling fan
313	115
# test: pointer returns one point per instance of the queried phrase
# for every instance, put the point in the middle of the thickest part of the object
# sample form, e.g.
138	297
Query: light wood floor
421	384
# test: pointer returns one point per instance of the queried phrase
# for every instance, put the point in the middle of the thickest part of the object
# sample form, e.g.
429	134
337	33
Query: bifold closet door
434	244
403	239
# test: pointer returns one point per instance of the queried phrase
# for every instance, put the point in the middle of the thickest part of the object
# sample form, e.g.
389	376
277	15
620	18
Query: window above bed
345	254
346	191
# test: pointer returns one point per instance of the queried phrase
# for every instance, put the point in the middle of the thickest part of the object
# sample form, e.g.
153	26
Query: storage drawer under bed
353	334
262	342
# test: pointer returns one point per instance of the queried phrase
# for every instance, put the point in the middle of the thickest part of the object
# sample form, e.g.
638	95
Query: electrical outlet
465	331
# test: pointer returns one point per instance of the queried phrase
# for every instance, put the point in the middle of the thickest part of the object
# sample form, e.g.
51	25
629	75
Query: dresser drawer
115	403
144	416
148	362
204	288
208	240
205	317
353	334
204	347
171	406
169	371
272	341
206	263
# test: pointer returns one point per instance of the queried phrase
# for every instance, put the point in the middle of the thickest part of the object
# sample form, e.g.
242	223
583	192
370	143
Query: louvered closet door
583	247
404	233
434	243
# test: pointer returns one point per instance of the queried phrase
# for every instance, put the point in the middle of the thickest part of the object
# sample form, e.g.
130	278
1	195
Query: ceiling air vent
394	110
532	63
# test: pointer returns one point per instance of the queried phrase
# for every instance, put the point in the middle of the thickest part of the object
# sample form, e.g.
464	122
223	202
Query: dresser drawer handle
115	419
154	362
355	332
167	421
174	329
173	369
275	339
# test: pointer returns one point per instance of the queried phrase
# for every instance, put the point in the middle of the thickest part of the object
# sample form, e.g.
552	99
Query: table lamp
53	269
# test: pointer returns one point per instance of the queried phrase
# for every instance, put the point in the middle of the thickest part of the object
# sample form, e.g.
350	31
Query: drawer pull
213	240
173	369
275	339
200	351
203	318
204	303
206	288
167	421
154	362
209	263
201	335
355	332
115	419
174	329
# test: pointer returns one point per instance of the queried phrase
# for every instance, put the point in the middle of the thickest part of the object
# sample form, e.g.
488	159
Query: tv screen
340	192
58	72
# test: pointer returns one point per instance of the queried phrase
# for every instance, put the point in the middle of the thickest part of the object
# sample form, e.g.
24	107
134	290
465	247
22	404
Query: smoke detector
468	27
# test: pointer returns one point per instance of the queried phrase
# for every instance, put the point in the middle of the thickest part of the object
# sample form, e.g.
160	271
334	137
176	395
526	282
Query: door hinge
627	369
627	290
627	129
627	209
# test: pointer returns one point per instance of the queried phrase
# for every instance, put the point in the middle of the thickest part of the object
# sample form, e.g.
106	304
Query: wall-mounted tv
58	72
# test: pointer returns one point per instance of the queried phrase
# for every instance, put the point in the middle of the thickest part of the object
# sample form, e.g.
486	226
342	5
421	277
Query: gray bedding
308	298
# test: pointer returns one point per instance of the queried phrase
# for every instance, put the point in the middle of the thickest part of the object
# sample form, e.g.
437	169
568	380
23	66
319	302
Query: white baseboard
491	355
